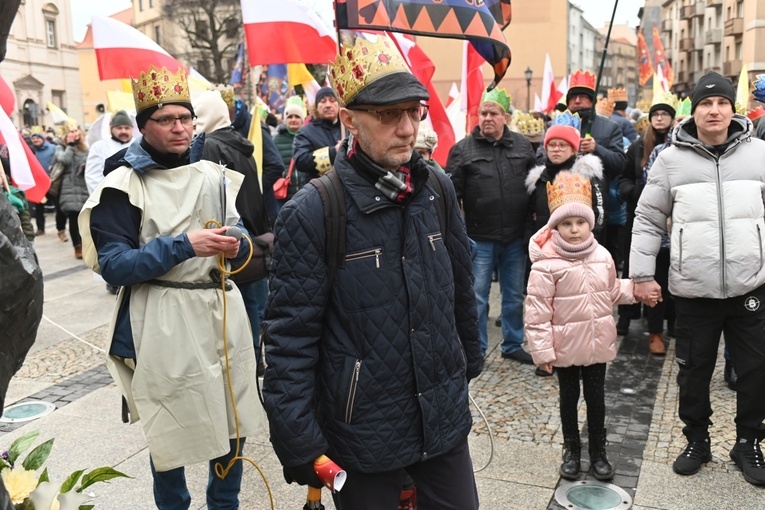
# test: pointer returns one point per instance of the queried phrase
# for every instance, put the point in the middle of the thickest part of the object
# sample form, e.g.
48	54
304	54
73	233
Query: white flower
19	483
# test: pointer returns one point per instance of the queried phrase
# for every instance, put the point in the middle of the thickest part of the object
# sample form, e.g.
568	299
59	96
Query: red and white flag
27	173
124	52
454	93
286	32
550	93
423	68
472	86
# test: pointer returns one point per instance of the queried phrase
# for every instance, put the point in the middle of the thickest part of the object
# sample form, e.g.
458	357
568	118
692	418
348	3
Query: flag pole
600	71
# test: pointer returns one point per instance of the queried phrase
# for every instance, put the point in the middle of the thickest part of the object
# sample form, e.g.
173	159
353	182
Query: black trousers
700	322
658	313
594	382
445	482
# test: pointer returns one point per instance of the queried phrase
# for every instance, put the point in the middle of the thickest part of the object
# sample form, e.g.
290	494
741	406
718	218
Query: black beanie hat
710	85
324	92
662	106
121	118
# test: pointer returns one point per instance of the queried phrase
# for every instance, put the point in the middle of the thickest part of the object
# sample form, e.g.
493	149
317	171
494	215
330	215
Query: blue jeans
171	493
510	260
254	295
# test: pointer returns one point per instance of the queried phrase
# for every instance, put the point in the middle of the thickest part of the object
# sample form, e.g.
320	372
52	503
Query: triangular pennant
466	18
423	23
477	27
382	18
488	23
450	24
369	12
399	20
496	33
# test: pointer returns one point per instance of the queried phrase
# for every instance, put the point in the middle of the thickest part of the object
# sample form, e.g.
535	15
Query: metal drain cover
592	495
26	411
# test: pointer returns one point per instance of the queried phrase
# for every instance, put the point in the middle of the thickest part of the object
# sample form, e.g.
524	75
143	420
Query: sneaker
519	355
689	462
748	457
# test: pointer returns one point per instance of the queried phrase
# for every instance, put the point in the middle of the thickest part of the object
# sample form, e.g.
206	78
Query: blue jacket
315	135
628	129
372	368
44	154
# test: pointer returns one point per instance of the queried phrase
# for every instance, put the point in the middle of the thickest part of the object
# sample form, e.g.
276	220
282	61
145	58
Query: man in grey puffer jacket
711	184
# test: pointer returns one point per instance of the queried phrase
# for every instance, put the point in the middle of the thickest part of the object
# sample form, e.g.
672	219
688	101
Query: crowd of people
376	314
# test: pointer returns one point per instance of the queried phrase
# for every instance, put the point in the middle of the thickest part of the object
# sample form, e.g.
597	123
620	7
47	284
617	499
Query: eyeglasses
660	113
393	117
555	146
185	120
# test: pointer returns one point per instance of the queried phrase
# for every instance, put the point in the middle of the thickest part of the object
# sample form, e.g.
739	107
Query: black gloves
303	475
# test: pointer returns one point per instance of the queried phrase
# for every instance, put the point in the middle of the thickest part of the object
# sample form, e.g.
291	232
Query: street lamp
528	72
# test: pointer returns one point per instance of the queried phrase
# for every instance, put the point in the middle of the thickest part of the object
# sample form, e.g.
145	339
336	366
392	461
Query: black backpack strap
333	198
441	202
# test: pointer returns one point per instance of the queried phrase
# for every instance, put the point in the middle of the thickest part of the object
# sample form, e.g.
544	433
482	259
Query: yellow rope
220	471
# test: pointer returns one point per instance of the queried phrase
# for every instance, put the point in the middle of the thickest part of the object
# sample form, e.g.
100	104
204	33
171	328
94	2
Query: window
50	33
740	9
738	51
157	35
151	4
140	5
57	98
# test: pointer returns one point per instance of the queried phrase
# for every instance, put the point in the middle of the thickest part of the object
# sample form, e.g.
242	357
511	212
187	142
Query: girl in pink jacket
569	315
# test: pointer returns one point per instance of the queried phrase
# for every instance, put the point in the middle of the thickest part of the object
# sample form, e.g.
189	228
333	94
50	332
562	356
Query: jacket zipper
366	254
681	251
433	238
759	241
352	391
720	218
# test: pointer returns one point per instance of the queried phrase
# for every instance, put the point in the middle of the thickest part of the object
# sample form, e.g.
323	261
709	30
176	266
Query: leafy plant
31	492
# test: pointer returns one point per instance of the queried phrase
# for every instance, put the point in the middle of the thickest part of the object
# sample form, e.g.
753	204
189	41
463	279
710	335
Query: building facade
619	69
41	64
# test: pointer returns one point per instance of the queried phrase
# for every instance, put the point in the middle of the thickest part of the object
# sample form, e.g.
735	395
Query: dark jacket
628	129
588	166
609	145
273	169
489	178
284	141
317	134
372	368
74	190
227	147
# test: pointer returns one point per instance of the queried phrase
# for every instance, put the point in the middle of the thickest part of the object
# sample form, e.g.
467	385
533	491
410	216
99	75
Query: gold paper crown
584	79
617	95
605	107
360	65
667	98
226	93
527	124
569	188
157	87
643	105
642	123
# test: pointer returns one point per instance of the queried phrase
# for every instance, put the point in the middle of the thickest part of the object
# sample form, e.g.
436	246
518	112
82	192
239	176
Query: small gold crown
360	65
642	123
616	95
157	87
569	188
643	105
226	93
667	98
605	107
528	125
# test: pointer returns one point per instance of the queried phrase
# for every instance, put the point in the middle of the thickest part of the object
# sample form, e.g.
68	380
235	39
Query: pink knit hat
568	134
570	195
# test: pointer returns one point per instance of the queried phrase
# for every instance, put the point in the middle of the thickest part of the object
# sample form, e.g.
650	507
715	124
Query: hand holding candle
330	474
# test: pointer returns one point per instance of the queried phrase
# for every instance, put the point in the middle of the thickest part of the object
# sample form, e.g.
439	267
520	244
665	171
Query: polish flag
423	68
454	93
550	94
124	52
286	32
538	105
472	86
27	173
7	98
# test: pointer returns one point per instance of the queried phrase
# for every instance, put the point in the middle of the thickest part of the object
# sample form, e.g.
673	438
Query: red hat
568	134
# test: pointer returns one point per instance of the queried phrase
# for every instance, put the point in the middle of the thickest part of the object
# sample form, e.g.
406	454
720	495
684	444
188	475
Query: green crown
683	108
498	96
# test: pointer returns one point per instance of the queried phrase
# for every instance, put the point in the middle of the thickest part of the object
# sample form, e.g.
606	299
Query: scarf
573	251
168	159
397	187
553	169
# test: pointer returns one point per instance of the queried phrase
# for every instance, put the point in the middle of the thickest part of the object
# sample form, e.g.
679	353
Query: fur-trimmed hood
588	166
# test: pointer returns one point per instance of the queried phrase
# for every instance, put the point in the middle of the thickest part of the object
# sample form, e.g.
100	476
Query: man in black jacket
489	169
371	366
315	145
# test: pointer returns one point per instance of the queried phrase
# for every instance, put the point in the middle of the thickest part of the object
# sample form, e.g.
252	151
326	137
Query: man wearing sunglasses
371	366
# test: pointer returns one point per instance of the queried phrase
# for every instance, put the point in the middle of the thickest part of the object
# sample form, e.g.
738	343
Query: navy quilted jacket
371	369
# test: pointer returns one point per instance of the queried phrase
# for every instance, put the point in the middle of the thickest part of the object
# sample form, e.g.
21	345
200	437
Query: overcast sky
597	12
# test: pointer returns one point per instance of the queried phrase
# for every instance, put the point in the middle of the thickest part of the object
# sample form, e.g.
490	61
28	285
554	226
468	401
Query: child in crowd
569	323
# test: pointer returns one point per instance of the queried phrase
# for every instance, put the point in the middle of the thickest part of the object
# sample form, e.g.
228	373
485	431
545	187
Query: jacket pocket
352	387
376	252
680	254
438	237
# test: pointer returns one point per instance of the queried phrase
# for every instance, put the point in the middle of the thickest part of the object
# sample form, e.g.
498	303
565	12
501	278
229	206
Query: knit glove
303	475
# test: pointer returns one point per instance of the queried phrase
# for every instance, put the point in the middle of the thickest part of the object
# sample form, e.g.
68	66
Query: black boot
733	379
572	453
599	465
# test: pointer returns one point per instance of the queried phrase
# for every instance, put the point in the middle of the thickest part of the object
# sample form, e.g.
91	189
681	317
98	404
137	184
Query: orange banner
645	67
660	58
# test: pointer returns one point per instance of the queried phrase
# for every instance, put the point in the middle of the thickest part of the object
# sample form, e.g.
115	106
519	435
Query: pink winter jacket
569	305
